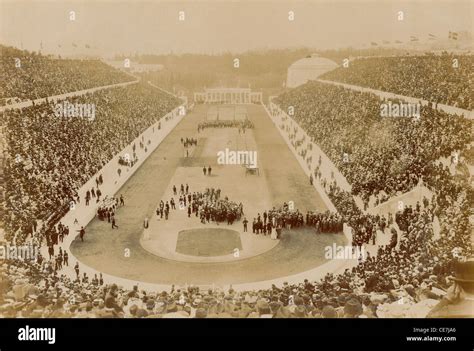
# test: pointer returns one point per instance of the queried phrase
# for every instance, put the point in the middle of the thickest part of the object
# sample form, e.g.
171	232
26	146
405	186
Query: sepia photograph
268	159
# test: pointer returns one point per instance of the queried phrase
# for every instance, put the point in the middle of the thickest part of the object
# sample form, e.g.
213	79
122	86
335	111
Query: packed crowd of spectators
444	79
378	156
51	157
30	75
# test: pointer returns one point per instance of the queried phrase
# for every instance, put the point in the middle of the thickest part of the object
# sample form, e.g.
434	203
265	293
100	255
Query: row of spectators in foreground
379	156
444	79
407	281
50	157
30	75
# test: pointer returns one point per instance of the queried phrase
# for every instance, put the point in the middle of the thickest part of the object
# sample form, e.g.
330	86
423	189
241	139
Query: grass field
208	242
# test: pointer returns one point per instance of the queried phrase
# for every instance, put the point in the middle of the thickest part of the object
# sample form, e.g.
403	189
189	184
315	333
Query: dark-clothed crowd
242	125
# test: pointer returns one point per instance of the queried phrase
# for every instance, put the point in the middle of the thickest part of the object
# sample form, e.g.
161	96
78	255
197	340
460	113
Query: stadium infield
119	252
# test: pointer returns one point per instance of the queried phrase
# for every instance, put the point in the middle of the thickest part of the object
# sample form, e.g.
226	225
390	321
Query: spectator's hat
187	309
141	313
328	312
464	272
353	307
275	306
171	307
150	304
42	300
341	299
263	307
300	311
298	300
283	312
133	310
201	313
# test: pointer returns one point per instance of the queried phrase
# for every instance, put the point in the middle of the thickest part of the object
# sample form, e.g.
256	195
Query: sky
153	27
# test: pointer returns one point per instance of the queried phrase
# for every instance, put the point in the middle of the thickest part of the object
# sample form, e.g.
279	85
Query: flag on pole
453	35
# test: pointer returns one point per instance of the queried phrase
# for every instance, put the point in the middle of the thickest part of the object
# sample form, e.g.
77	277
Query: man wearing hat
110	300
352	308
459	300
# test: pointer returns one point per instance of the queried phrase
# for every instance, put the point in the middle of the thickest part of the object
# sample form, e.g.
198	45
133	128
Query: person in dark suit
245	224
113	223
51	251
82	232
76	269
269	227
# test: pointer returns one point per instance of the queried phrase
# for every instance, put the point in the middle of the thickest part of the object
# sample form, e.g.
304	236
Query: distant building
228	96
308	68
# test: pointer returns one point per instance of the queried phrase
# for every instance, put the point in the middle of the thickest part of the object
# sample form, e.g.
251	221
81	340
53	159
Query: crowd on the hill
379	157
51	157
442	79
242	125
30	75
